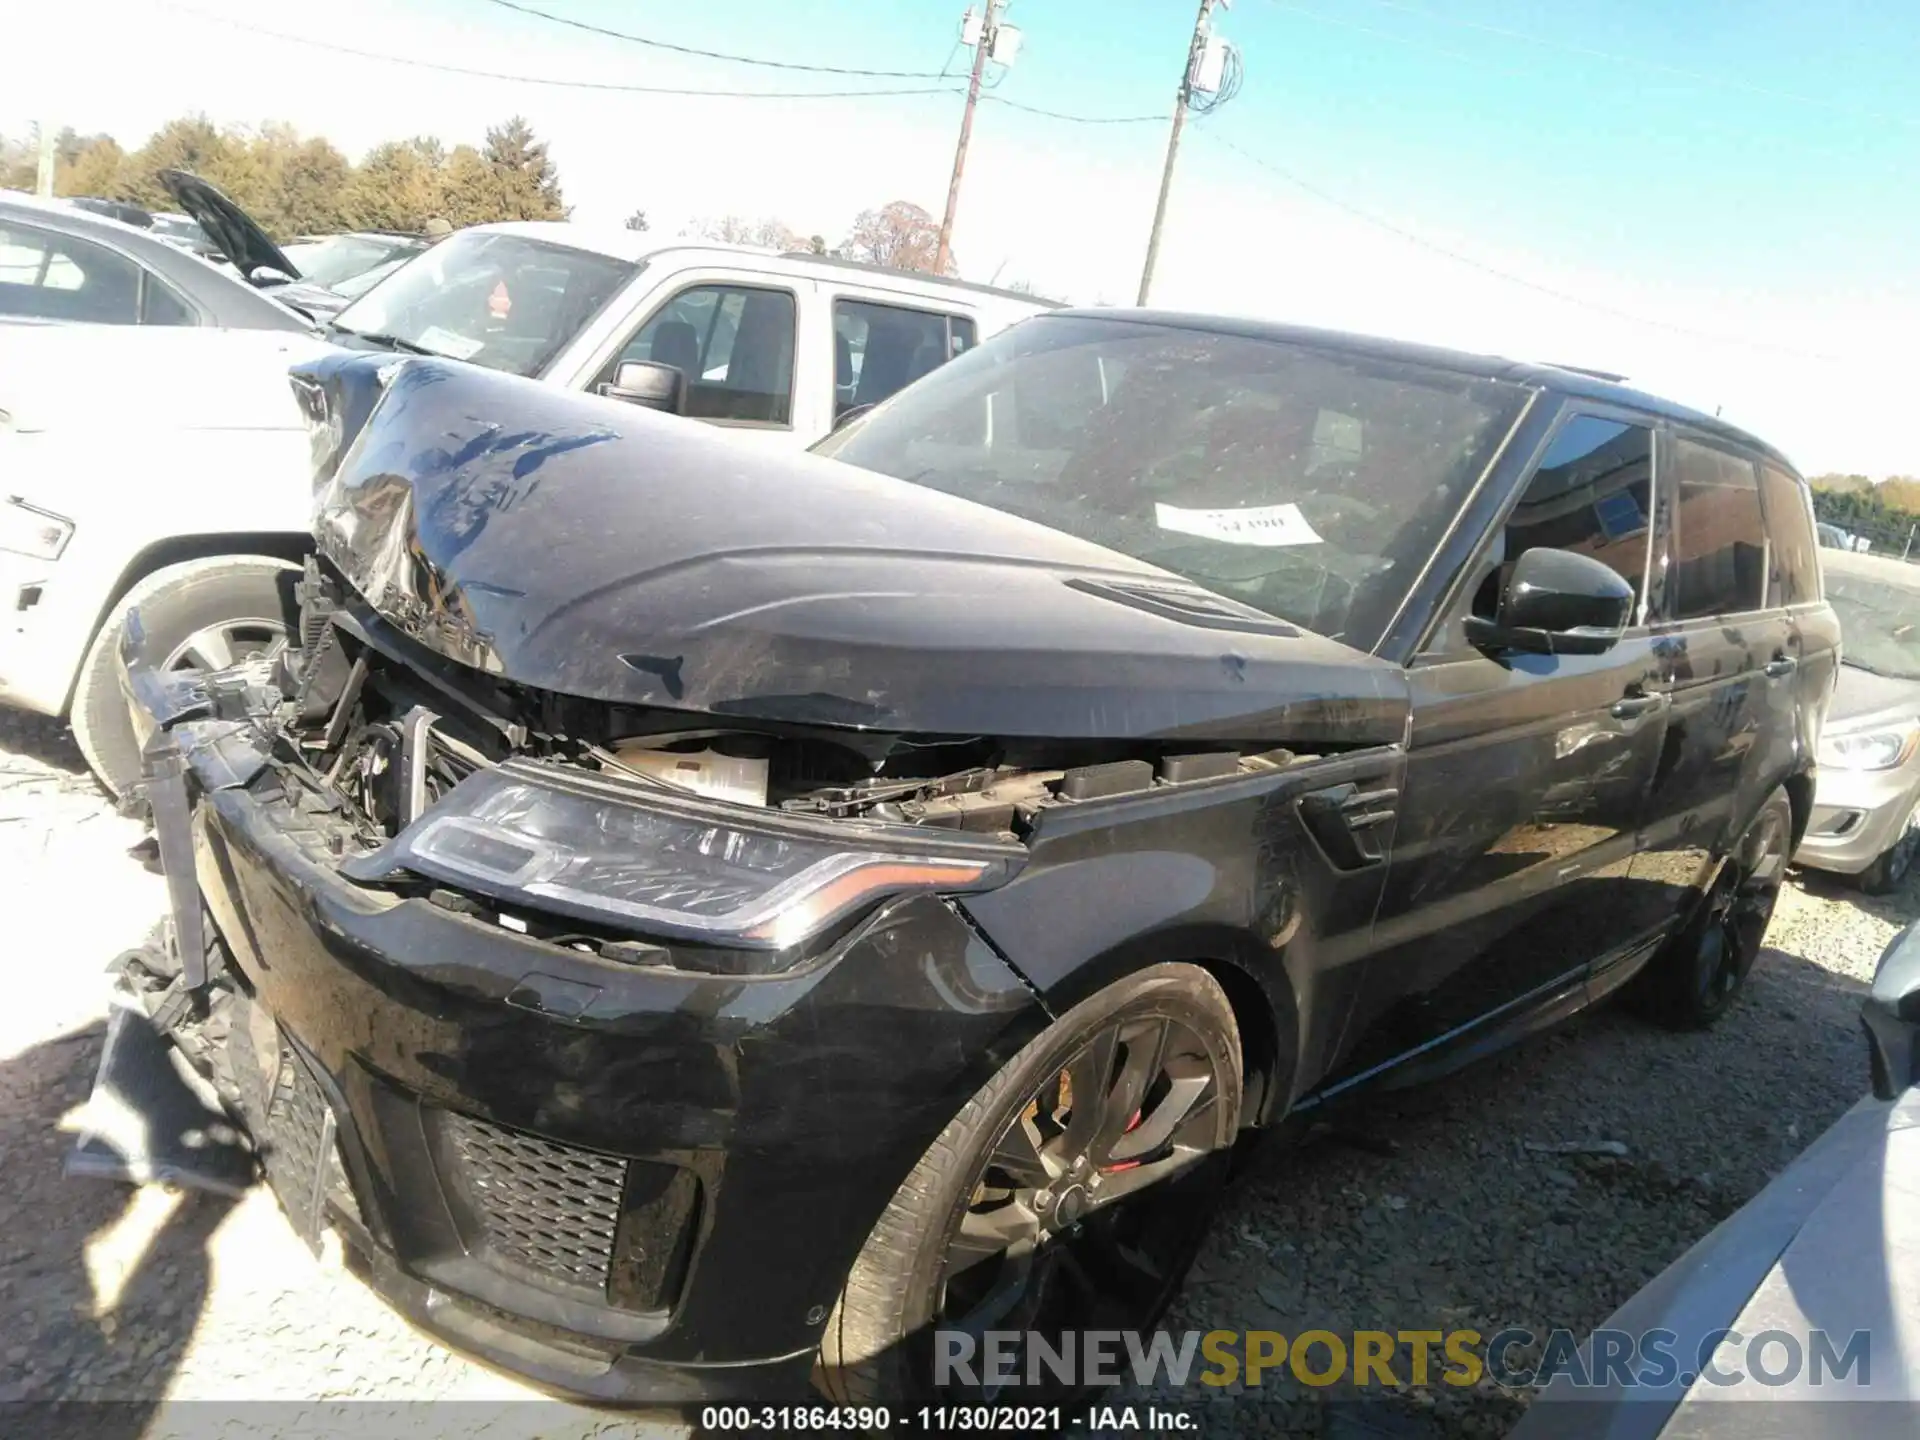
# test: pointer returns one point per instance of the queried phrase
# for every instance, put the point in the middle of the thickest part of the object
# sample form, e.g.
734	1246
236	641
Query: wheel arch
1800	789
1265	1009
290	546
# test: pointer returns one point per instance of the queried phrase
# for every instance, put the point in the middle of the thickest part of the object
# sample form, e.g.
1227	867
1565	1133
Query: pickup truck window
57	277
1720	542
878	349
497	300
735	345
1312	484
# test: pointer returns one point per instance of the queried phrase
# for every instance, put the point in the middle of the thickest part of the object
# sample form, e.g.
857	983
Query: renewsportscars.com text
1218	1358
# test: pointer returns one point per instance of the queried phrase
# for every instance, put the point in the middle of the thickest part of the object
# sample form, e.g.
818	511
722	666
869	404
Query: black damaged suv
694	918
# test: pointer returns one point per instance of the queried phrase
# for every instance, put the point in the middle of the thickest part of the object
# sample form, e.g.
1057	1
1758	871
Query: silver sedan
1864	820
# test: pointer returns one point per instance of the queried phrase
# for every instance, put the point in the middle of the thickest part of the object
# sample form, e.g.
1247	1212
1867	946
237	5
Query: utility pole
43	182
981	48
1194	51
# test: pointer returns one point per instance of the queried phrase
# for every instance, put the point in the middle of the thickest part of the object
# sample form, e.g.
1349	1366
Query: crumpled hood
597	549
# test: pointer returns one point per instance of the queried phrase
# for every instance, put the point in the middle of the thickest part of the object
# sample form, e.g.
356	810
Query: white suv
168	468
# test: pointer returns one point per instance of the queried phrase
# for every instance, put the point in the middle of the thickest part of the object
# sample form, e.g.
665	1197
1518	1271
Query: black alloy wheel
1691	983
1077	1220
1069	1195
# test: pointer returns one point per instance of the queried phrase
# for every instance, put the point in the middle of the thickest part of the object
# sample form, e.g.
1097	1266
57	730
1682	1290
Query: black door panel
1729	664
1511	862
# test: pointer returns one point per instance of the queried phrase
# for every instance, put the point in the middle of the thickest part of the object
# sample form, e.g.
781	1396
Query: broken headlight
670	865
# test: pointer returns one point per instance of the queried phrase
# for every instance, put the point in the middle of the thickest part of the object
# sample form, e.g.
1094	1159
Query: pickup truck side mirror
1557	603
650	384
1892	1015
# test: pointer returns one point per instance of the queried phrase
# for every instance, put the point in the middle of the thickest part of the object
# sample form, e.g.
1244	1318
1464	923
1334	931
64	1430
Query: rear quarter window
1720	542
1794	577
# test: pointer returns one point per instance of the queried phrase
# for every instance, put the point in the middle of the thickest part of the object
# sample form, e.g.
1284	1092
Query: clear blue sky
1713	196
1728	139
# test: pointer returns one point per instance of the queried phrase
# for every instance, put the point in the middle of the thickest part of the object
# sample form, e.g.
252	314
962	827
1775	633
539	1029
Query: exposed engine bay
390	738
367	732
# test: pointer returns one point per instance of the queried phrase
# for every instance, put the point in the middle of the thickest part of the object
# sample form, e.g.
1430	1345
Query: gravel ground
1425	1212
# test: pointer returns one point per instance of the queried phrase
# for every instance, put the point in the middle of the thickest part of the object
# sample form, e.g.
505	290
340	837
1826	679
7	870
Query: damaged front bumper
630	1182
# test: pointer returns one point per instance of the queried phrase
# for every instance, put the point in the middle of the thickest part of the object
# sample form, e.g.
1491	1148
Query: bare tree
766	232
638	221
899	235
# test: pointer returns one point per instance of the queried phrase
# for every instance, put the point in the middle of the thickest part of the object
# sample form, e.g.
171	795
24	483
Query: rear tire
1692	981
1018	1161
194	612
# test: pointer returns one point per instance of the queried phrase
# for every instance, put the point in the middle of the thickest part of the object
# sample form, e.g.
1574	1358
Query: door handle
1634	706
1781	665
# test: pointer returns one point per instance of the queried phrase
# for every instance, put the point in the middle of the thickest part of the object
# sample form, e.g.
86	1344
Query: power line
1413	237
1074	119
444	68
730	58
522	79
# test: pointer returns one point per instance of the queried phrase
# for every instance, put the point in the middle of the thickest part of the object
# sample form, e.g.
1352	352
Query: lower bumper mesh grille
293	1127
549	1208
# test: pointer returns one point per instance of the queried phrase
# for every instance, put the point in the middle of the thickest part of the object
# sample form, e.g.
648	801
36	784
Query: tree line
1883	512
303	185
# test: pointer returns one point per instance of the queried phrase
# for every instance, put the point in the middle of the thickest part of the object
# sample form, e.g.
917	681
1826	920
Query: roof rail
868	267
1589	371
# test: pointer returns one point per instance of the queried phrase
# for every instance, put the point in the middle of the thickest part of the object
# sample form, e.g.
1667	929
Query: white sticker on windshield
1259	525
449	342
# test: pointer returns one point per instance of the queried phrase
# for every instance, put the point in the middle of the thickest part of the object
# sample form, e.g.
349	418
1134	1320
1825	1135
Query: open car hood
246	246
597	549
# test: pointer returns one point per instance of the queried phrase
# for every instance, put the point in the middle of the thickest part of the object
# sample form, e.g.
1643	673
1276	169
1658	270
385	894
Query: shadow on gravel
1900	907
43	739
101	1284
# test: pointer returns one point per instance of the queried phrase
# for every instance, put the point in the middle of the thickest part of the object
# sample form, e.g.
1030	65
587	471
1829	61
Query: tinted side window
1720	557
1796	568
55	277
1592	494
734	343
878	349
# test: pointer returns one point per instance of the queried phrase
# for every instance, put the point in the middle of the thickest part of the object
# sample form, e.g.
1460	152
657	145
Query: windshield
179	227
497	300
341	257
1879	622
1311	483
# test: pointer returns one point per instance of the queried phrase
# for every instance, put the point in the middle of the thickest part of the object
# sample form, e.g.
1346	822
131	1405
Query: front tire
201	613
1891	867
1069	1194
1690	984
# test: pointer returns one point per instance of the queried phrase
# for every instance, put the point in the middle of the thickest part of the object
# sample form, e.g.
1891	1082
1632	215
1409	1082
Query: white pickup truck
167	467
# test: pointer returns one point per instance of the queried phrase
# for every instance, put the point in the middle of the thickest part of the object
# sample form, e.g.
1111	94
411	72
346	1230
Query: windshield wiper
390	342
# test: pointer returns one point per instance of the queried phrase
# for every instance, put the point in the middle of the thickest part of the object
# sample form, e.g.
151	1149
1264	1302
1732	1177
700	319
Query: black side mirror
1558	603
650	384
